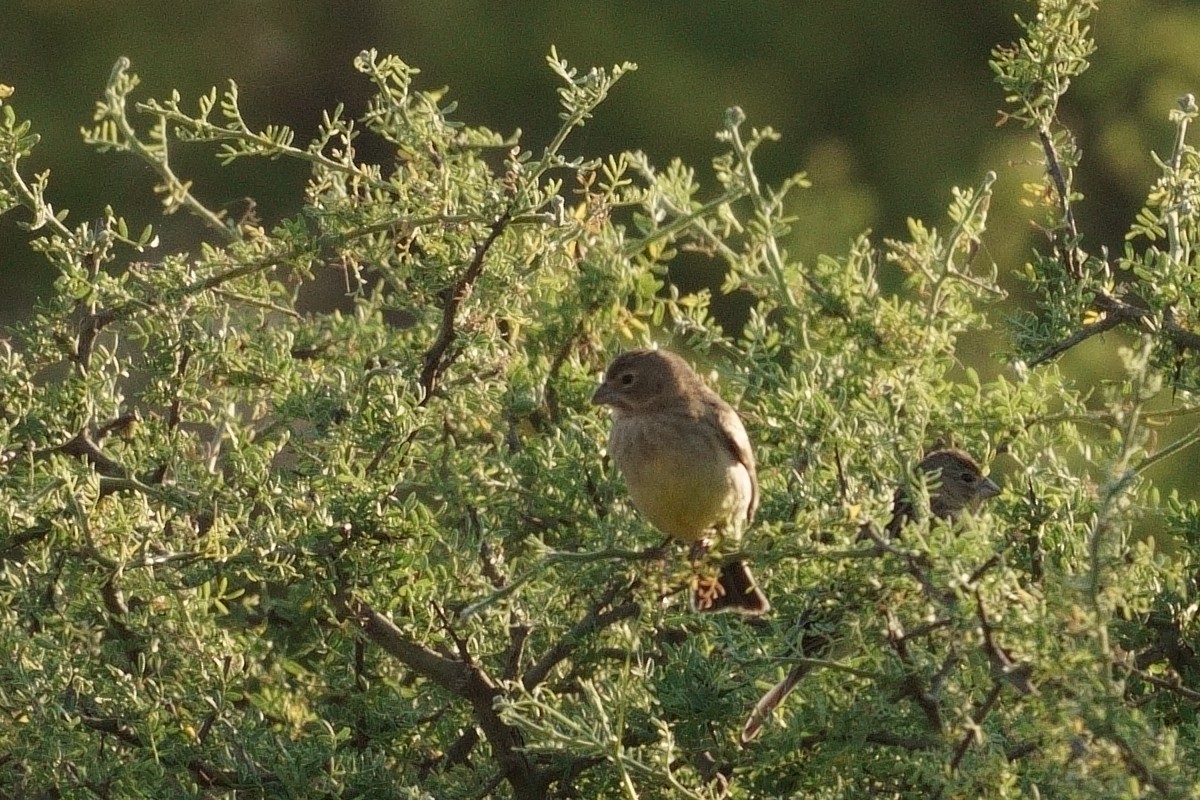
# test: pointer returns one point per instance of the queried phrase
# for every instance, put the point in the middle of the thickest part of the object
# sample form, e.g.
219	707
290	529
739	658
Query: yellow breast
681	475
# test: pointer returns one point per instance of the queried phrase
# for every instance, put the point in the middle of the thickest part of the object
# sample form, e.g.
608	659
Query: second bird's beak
986	489
602	396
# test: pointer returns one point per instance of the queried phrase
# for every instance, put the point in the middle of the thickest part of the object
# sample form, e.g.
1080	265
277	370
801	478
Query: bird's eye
626	379
969	477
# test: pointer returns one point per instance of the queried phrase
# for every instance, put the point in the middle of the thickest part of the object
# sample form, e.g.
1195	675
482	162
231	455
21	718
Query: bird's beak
988	489
602	396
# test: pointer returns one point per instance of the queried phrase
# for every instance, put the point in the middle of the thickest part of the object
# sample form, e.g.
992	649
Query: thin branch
10	547
1118	312
985	567
117	92
1187	107
916	564
460	644
465	681
1135	764
944	672
813	664
205	774
973	730
32	200
1086	332
1181	336
888	739
1162	683
213	281
518	635
593	621
487	557
767	211
1019	751
406	224
113	726
557	557
1066	244
1004	666
911	686
82	446
456	753
89	329
436	361
927	629
1180	444
556	364
636	246
563	770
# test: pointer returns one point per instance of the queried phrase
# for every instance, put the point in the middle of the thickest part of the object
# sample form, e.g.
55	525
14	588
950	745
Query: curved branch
594	620
1118	312
437	359
466	681
1065	241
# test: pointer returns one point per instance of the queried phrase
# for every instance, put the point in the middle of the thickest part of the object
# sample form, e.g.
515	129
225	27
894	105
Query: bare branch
89	329
593	621
1004	666
1118	312
468	682
911	686
889	739
436	359
1162	683
1069	253
82	446
972	734
1083	334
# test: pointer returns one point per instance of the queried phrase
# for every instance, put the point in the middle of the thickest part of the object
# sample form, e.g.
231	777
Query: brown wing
733	433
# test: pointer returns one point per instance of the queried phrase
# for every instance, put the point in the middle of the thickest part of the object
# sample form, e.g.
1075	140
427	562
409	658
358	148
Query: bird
958	484
687	464
961	486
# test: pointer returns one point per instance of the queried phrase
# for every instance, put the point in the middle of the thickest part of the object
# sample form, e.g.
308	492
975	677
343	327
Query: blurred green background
886	105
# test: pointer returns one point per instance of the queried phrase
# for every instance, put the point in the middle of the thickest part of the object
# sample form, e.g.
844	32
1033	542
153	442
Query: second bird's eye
968	477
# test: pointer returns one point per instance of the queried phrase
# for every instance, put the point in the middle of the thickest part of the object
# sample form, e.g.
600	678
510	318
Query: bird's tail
734	589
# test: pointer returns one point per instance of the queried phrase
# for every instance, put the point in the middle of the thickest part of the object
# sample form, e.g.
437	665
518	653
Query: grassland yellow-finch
687	463
957	484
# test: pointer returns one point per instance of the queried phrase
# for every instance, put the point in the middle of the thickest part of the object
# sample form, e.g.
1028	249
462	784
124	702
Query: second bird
959	485
687	463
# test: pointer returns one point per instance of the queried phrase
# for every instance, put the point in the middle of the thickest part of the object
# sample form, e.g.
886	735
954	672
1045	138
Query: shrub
259	543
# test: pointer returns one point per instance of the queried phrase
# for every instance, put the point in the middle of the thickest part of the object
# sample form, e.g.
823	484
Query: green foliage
258	543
